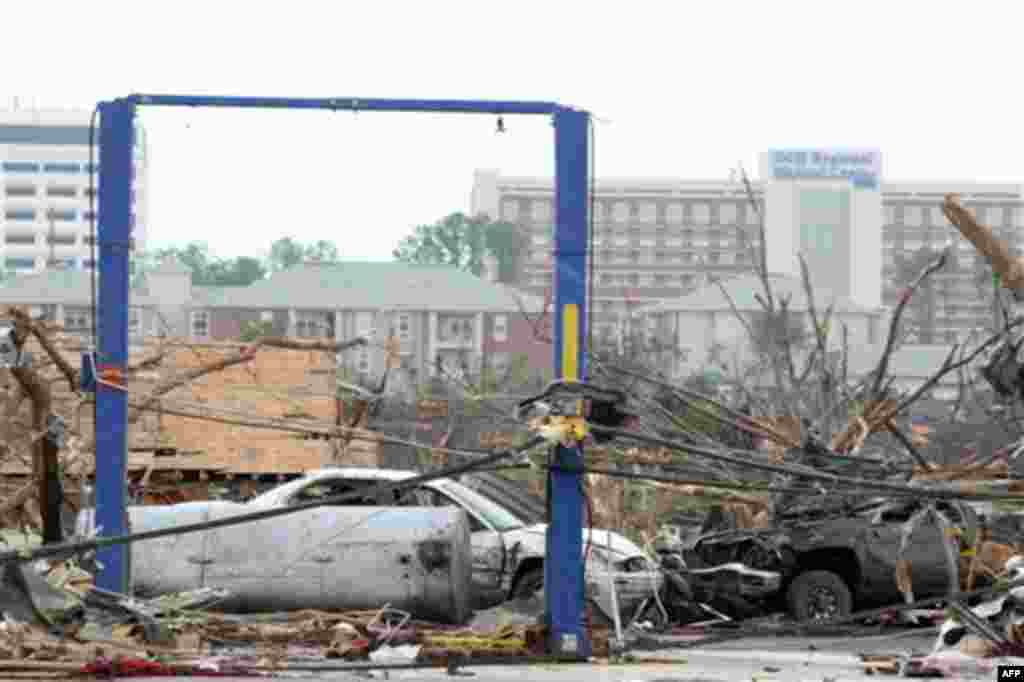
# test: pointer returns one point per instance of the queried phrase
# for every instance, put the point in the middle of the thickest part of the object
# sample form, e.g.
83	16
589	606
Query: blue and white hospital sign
863	167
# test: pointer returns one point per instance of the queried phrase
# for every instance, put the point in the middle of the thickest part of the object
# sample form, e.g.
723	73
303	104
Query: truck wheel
529	583
819	595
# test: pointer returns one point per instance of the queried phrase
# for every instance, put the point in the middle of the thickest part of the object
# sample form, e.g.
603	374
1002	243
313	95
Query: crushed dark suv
833	559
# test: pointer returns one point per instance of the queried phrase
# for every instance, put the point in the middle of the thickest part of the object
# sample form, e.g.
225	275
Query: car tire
817	595
529	583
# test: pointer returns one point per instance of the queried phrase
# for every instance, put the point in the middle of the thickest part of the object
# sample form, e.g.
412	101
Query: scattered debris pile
48	627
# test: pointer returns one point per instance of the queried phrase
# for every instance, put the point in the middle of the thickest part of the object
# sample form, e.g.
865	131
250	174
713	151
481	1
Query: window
510	210
660	256
88	263
754	216
364	324
20	239
661	280
455	329
701	213
20	214
648	212
61	239
63	214
714	257
501	363
727	213
674	213
88	215
476	505
607	280
634	256
404	327
634	279
20	167
77	320
500	331
200	326
61	168
688	280
312	325
20	191
541	211
91	167
20	263
61	191
620	213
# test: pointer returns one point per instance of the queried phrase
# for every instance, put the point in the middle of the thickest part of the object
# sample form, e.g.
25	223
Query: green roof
69	287
373	285
209	296
742	290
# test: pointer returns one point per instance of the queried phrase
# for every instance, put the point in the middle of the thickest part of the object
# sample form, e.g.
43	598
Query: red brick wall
224	326
521	339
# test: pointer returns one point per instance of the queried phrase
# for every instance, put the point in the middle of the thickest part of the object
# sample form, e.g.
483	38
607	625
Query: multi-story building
659	240
653	240
47	183
956	300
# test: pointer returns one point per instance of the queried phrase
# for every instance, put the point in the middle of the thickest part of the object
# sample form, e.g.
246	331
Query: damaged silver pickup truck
330	559
834	559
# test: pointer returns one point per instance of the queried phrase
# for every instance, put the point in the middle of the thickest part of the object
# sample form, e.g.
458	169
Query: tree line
209	270
458	240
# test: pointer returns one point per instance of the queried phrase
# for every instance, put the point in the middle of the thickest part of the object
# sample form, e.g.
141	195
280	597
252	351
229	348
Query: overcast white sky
684	89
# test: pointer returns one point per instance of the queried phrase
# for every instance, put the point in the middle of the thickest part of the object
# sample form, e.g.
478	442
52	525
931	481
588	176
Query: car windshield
498	517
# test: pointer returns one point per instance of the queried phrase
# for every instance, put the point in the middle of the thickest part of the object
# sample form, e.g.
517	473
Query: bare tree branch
894	324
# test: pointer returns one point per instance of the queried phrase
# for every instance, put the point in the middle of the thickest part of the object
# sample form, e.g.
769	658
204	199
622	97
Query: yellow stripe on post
570	341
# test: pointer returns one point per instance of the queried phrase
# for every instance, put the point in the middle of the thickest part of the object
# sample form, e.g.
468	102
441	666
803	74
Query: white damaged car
507	553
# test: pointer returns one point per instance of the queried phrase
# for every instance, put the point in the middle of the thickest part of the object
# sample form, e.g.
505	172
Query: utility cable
808	474
67	549
93	307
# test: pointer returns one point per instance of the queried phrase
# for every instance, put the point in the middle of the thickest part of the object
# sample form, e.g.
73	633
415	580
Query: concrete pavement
786	659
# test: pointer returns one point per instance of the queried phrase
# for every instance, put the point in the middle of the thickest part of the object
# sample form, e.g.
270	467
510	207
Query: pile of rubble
53	621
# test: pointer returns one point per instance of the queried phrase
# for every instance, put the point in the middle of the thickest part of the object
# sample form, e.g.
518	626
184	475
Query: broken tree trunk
46	468
1009	268
242	356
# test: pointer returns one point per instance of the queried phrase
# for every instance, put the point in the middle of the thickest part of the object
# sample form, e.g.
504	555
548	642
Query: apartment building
656	240
956	301
440	322
47	186
653	240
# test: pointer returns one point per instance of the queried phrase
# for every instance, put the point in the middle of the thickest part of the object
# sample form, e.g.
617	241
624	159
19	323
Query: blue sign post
564	583
117	128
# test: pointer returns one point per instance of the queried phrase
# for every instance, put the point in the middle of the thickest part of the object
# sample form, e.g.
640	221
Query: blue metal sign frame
564	571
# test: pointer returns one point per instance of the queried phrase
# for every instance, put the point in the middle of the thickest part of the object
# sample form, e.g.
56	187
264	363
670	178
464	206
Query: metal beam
117	132
564	585
564	579
438	106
